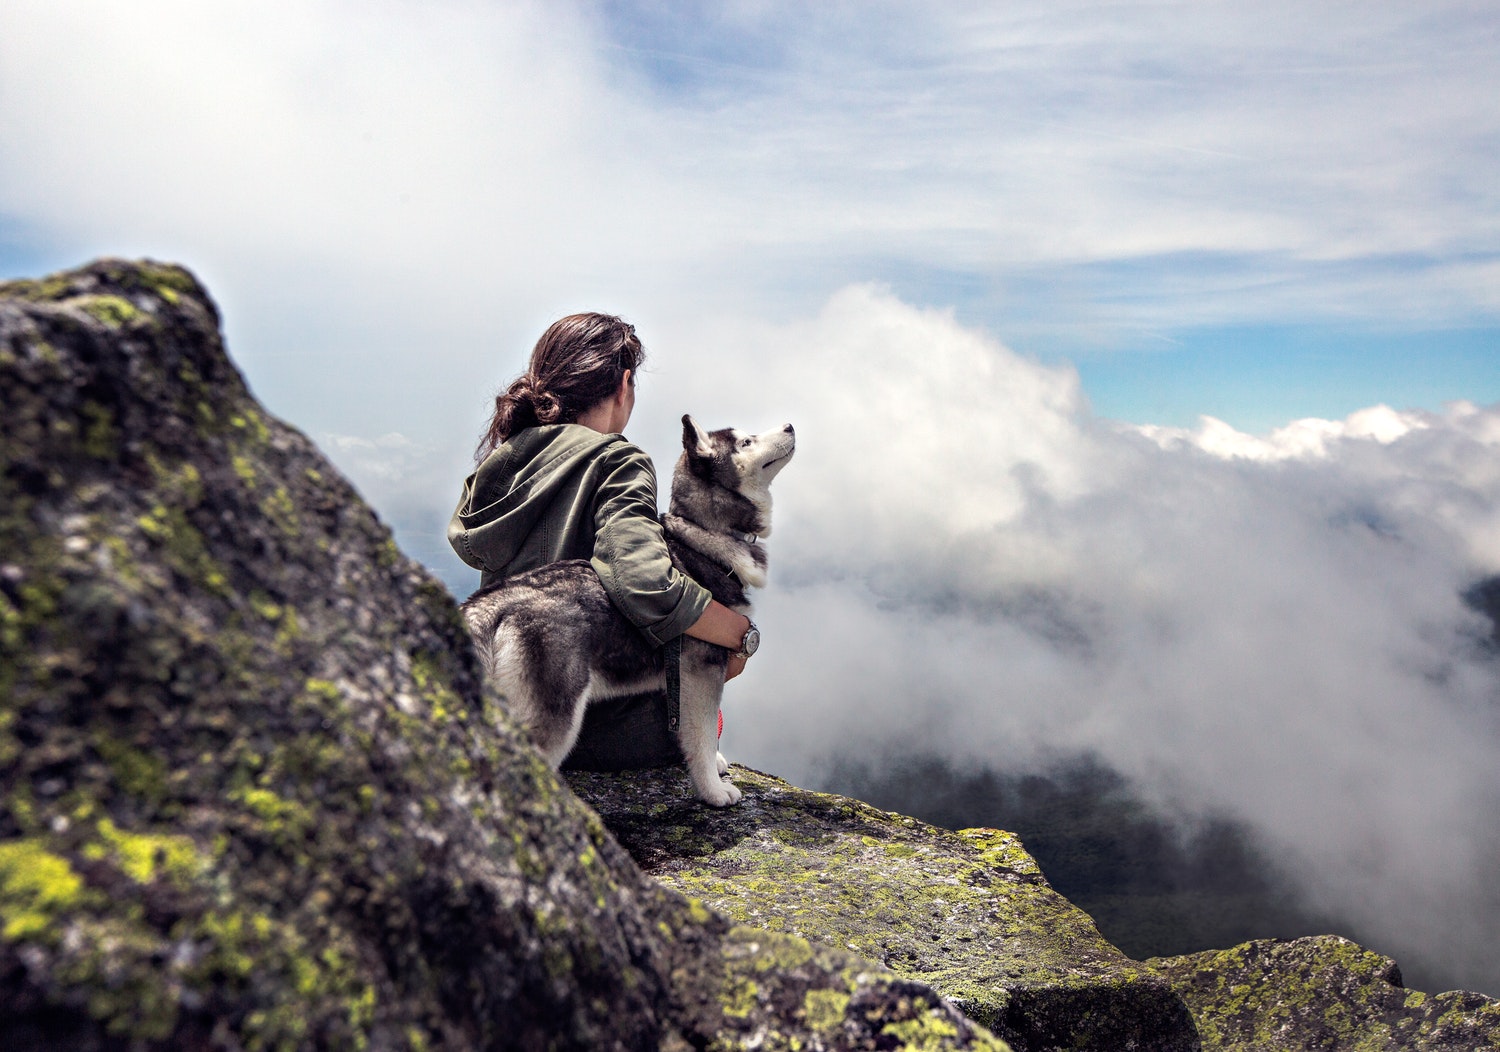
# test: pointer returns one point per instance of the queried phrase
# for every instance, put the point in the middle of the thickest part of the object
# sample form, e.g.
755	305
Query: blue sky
1258	214
1256	364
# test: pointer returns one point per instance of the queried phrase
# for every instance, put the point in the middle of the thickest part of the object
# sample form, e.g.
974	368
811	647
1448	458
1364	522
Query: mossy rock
969	912
253	792
1322	992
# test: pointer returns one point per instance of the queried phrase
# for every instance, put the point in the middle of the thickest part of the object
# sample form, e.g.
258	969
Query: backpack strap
672	658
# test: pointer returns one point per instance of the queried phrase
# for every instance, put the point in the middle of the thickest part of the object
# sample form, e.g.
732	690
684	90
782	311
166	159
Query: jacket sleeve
630	552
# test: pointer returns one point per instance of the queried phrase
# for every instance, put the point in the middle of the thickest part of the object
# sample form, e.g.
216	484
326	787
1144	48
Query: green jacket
565	491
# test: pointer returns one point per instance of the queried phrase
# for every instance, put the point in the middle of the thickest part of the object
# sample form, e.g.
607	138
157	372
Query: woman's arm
723	626
720	625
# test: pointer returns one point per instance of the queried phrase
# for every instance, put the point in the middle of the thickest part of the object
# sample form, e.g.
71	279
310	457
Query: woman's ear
625	384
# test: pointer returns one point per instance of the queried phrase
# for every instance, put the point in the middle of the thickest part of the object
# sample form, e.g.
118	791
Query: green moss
928	1032
740	996
774	951
443	702
824	1009
361	1009
168	282
99	437
34	886
288	631
178	484
244	469
264	606
138	772
282	511
45	290
113	311
322	696
143	857
169	527
251	425
388	554
10	747
1321	992
1001	850
270	808
31	611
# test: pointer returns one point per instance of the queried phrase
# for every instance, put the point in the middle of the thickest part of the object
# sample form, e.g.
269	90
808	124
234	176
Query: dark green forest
1154	887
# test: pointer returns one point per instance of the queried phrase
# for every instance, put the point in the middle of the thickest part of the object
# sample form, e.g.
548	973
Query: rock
254	793
1321	992
967	912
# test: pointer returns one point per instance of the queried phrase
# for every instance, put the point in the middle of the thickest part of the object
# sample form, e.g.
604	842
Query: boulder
968	912
1322	992
255	795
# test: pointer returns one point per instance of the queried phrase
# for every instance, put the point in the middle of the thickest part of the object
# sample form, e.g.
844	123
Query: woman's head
580	361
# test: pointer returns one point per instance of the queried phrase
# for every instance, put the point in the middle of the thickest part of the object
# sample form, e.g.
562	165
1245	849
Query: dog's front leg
698	734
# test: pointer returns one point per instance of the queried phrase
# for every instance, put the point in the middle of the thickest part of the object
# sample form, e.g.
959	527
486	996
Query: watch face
751	643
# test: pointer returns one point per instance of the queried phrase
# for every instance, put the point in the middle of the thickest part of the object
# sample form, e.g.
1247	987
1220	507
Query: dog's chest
724	578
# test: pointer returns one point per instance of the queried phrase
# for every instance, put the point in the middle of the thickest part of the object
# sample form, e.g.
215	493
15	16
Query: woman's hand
721	626
734	668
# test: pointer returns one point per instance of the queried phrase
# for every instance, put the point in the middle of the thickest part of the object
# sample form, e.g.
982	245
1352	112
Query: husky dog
552	641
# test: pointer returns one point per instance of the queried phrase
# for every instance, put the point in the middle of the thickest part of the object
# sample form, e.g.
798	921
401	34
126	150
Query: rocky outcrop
254	793
967	912
1323	992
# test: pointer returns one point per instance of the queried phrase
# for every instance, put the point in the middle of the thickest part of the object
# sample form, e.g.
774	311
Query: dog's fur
552	640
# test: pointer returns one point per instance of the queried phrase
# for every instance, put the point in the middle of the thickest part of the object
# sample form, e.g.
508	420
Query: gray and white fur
553	642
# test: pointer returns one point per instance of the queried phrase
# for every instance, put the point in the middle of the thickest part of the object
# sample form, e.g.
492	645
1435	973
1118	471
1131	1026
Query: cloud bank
1271	629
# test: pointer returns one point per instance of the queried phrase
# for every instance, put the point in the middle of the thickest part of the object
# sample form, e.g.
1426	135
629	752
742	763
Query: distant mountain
1485	597
1155	888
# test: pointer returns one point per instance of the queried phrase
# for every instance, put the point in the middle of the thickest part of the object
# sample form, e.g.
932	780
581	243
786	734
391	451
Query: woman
557	480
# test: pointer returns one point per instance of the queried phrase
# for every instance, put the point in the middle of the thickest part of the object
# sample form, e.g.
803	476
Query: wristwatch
750	643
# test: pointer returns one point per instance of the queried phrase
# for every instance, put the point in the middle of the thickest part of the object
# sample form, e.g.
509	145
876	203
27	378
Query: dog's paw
722	763
723	794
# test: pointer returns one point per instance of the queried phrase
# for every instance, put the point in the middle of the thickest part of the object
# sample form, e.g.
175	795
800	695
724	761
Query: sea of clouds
966	561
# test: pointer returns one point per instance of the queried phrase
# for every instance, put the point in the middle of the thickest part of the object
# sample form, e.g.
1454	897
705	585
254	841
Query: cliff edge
1273	995
968	912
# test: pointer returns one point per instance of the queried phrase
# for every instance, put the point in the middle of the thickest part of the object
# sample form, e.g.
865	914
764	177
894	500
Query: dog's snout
789	429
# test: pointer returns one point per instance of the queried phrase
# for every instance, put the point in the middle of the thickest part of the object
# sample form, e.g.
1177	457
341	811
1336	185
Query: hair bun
546	407
521	391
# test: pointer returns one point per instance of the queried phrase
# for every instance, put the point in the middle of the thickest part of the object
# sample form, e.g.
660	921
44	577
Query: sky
1144	357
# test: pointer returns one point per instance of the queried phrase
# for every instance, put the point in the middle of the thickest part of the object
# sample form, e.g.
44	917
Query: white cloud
467	159
1300	439
965	560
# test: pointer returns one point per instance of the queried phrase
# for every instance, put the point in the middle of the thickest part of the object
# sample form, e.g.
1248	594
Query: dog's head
738	461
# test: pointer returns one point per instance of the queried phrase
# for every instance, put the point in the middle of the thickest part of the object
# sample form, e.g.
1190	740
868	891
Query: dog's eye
746	441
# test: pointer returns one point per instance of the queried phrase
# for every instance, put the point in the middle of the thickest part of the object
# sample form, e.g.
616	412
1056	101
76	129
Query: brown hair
578	363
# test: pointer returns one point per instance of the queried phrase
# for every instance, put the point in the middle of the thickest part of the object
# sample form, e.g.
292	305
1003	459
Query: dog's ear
695	440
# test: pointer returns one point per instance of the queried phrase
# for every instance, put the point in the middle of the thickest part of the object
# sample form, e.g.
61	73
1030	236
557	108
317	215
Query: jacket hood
513	488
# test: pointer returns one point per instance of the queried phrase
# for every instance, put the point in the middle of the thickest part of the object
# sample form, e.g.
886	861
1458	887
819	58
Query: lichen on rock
253	793
1270	995
968	913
